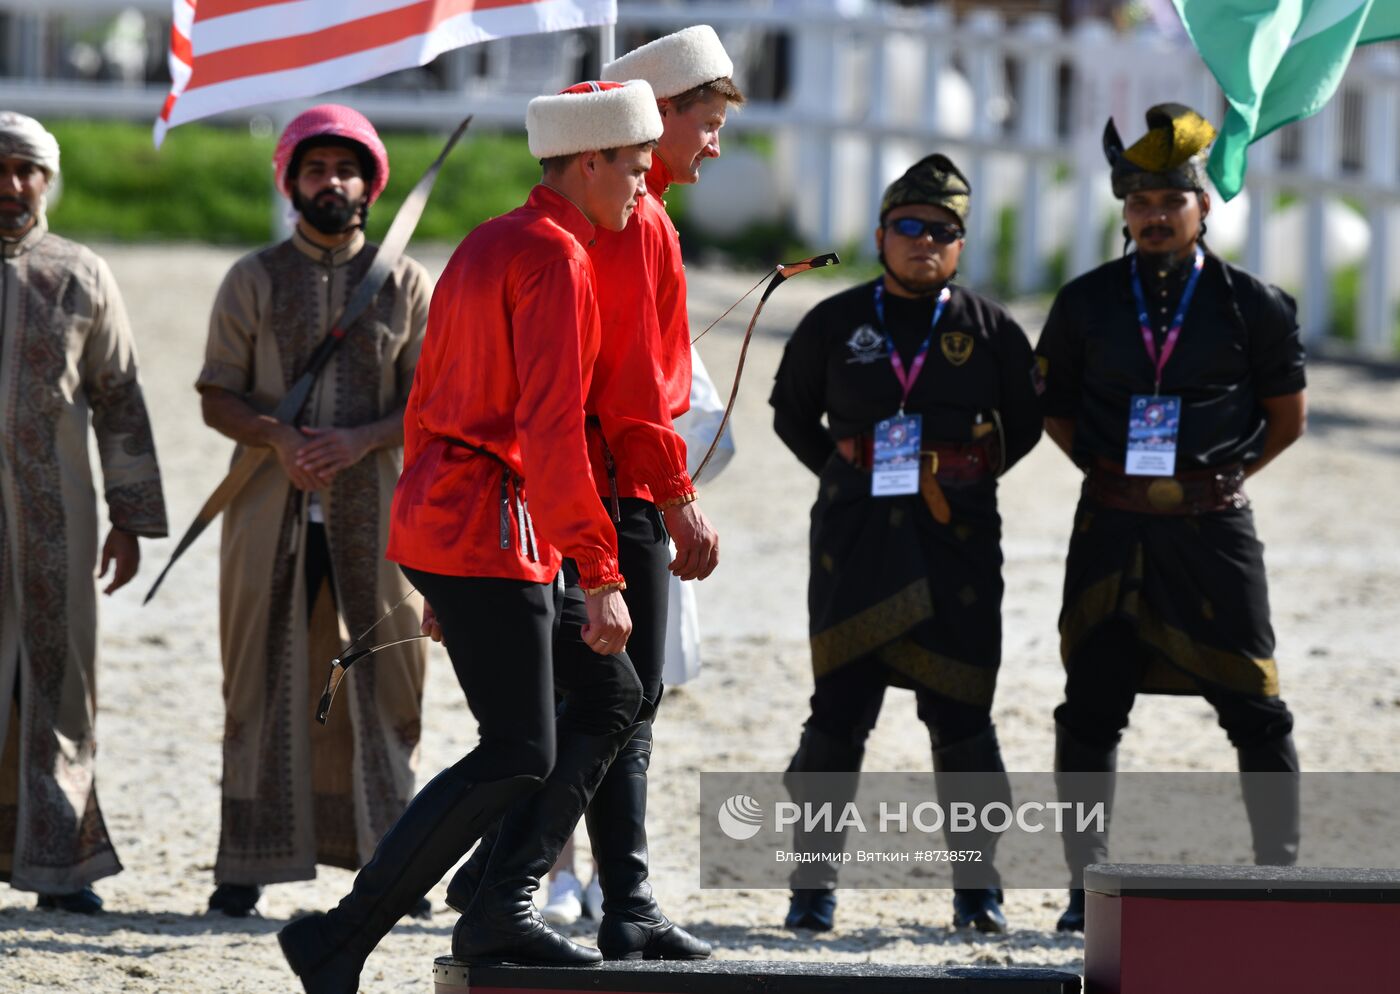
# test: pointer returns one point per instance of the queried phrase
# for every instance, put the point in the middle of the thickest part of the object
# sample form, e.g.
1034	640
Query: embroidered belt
1195	492
958	465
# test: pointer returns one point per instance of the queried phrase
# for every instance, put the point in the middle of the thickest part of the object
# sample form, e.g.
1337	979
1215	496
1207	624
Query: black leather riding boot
633	926
1083	775
501	924
972	772
462	887
814	884
327	951
1269	779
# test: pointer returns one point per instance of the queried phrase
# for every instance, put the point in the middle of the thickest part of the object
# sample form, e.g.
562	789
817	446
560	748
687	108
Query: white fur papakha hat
591	116
675	63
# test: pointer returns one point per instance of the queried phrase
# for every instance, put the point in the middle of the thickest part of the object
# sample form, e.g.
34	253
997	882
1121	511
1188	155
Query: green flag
1278	61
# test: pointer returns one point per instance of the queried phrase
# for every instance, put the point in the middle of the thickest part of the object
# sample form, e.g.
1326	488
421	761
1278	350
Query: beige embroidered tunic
66	355
296	793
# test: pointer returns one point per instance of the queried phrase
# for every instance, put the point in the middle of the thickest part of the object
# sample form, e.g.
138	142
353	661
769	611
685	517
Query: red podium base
1240	929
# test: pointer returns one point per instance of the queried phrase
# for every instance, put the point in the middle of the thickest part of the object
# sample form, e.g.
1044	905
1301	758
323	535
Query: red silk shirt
642	377
506	364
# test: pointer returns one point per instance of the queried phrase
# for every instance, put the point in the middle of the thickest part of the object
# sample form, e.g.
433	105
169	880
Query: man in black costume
1170	377
929	394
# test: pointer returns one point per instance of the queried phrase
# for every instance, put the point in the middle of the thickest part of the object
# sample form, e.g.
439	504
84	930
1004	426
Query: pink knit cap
337	120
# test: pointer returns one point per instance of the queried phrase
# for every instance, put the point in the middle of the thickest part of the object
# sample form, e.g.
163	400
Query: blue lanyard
1149	341
906	380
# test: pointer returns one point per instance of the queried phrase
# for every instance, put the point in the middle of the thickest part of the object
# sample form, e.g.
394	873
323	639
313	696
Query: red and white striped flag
226	54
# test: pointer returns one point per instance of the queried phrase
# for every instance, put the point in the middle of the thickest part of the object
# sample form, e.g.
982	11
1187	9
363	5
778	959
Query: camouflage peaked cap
932	180
1171	156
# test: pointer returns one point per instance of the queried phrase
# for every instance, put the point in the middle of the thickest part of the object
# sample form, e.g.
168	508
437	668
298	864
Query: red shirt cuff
598	569
668	489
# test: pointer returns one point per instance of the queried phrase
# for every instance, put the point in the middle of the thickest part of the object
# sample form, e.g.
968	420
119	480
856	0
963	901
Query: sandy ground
1326	510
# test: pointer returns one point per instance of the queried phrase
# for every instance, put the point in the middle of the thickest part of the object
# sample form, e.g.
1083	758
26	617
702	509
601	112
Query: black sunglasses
943	232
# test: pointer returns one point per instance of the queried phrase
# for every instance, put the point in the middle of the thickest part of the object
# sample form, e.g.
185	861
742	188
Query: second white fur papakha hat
591	116
675	63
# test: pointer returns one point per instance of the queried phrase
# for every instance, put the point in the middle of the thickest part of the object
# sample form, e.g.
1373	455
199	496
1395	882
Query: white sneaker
593	900
564	905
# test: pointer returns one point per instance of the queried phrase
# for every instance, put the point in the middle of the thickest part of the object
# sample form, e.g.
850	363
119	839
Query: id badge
895	468
1153	425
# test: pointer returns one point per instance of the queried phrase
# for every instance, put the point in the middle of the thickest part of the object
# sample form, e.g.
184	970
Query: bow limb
781	273
738	373
341	665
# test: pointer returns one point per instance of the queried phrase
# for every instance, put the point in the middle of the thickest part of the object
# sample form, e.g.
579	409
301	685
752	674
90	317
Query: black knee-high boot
462	887
1083	775
972	771
327	951
633	926
501	924
1269	779
813	903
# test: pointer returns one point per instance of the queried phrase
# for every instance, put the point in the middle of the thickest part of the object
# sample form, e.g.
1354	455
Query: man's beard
919	288
330	213
1167	261
11	223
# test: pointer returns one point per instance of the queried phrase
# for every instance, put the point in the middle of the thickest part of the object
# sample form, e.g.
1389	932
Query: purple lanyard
1174	332
906	380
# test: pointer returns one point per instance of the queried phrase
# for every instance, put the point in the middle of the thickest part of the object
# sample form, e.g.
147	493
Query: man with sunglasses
929	394
1170	377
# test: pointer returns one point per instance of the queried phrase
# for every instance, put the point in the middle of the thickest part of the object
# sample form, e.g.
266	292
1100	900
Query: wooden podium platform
745	977
1235	929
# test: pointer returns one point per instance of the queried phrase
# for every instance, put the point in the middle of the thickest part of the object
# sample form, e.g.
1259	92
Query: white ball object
735	191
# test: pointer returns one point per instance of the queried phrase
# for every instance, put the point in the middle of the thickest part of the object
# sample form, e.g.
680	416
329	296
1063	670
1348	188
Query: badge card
895	468
1153	425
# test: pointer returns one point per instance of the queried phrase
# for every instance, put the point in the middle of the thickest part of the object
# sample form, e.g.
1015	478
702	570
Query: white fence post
1262	191
1038	100
987	75
816	94
1376	317
1091	109
938	24
1320	163
878	115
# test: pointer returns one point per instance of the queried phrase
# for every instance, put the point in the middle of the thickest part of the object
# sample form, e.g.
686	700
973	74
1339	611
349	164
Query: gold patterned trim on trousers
1184	658
949	677
863	633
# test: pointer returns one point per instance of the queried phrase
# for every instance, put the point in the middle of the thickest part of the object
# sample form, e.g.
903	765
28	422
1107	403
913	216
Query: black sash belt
512	498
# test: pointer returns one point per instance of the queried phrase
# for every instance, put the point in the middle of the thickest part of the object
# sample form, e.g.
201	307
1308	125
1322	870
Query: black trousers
1103	683
318	564
644	552
501	638
846	704
498	634
597	695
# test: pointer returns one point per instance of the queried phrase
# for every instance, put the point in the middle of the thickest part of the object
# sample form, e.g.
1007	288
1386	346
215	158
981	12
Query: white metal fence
859	90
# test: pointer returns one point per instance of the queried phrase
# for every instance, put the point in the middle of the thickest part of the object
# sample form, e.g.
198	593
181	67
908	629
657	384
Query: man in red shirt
495	418
641	382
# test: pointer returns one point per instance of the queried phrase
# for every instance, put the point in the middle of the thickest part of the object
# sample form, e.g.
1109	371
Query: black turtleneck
837	366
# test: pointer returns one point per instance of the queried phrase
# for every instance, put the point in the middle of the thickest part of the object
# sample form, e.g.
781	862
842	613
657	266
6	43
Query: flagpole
607	46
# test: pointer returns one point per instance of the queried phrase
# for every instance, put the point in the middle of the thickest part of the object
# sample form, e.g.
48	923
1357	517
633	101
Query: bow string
776	277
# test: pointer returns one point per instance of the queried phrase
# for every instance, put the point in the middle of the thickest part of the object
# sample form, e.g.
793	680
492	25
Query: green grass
209	184
1346	294
215	184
